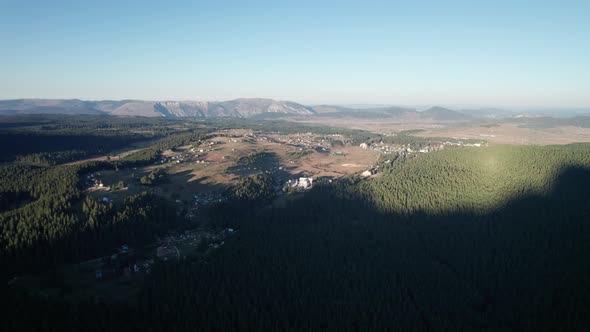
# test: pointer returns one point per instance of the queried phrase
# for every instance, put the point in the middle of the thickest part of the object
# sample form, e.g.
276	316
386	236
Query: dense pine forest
464	239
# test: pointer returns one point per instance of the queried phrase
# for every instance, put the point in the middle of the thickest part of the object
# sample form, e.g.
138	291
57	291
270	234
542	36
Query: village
389	153
199	174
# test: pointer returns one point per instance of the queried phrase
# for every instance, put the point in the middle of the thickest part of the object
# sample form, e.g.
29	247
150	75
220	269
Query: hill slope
444	114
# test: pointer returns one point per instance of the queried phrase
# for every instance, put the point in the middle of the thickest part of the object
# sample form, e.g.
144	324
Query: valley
295	166
134	224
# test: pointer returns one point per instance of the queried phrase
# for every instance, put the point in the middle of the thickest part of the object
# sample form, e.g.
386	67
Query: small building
305	183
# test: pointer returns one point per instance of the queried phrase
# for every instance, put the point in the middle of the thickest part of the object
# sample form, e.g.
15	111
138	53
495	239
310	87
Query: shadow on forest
523	266
331	261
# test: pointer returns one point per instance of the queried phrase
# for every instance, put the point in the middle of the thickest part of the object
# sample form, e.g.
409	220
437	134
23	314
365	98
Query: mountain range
239	108
242	108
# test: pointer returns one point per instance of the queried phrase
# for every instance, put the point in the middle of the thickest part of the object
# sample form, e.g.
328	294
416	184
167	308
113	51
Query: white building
305	183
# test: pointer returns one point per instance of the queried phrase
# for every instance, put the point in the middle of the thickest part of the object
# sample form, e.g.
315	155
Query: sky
486	53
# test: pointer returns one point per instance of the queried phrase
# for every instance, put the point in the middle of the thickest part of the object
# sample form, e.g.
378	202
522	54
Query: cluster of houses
122	264
125	262
405	151
474	145
168	250
195	152
205	147
402	148
207	198
397	150
182	158
174	159
319	143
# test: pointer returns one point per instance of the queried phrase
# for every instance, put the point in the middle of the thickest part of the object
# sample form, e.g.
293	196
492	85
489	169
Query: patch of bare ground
118	154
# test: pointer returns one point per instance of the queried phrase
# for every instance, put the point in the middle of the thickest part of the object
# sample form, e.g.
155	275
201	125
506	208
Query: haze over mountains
239	108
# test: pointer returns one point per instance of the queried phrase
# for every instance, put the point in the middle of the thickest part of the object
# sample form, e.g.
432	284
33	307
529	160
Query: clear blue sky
504	53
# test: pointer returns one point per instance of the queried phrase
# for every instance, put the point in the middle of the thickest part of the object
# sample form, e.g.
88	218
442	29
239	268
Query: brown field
512	134
118	154
502	134
373	125
188	177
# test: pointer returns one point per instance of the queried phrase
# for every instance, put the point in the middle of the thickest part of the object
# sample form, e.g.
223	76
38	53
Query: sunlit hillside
475	180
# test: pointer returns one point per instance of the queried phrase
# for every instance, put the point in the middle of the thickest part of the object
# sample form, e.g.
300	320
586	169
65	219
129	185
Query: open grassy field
513	134
502	133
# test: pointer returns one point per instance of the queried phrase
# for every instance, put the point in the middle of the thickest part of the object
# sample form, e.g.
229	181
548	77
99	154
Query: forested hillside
465	239
45	220
56	139
473	180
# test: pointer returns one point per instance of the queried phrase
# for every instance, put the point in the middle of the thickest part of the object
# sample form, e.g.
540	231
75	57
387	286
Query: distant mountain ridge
241	108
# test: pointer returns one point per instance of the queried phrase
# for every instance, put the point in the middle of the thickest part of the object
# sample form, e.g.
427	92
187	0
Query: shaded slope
333	260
